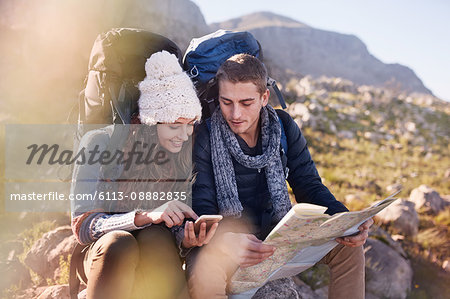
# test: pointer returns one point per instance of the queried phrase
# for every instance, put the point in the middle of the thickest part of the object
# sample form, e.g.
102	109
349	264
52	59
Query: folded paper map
302	238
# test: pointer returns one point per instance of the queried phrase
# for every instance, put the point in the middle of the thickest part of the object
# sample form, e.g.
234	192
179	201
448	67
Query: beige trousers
209	273
141	264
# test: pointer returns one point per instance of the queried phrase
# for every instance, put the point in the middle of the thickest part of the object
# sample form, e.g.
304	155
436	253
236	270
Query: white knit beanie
167	93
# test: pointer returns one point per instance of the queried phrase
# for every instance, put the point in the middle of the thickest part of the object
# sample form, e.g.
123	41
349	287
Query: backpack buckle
193	72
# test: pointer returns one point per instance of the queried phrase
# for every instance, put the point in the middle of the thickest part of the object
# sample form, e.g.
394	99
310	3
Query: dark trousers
141	264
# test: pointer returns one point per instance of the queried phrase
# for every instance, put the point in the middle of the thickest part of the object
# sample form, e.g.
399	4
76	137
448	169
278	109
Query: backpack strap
117	141
76	268
208	124
283	139
273	83
283	149
211	102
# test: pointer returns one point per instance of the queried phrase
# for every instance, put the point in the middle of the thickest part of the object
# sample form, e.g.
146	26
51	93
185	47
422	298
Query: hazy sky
415	33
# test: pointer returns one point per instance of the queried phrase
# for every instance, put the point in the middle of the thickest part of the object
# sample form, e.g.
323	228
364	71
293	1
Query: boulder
301	115
446	266
295	109
380	234
285	288
394	187
447	173
56	291
401	217
410	127
33	292
322	293
352	197
315	107
44	256
13	272
346	134
446	199
373	137
427	200
388	274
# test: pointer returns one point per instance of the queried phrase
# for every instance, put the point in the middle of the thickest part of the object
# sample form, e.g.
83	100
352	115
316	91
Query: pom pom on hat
167	93
162	64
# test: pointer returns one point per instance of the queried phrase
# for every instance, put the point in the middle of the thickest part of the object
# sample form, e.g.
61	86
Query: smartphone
208	219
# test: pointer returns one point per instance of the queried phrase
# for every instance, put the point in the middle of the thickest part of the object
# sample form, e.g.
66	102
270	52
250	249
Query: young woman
132	240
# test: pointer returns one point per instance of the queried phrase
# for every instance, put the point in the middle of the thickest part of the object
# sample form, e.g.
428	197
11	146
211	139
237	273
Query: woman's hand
172	213
191	240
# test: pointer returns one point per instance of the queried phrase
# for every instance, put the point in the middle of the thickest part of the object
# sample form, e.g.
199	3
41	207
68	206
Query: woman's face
172	136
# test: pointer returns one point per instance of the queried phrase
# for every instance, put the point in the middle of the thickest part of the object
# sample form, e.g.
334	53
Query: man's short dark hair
244	68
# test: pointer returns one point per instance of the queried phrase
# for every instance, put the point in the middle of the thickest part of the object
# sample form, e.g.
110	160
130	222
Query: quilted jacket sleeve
303	176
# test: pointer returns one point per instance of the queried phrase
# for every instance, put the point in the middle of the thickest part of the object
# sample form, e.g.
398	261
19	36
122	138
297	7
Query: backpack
206	54
116	66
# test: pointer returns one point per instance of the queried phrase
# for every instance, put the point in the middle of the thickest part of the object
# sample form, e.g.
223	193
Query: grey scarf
224	144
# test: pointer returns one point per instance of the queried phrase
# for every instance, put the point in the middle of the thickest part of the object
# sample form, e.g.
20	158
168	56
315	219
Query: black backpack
206	54
116	66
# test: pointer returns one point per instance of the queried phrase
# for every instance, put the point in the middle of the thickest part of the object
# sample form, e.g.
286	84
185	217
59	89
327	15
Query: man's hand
171	213
360	238
191	240
245	249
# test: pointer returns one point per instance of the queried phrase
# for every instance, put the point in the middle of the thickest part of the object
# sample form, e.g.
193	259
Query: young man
240	170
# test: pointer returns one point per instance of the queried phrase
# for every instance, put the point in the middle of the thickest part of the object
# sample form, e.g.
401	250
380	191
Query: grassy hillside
366	142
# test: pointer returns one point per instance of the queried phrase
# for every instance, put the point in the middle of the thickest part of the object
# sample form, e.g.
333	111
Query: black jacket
252	185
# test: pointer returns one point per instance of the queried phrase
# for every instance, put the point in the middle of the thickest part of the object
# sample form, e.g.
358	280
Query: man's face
241	104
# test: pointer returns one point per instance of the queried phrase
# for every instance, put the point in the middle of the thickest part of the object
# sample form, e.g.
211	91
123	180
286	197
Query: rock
446	199
446	266
56	291
332	127
388	137
427	200
380	234
285	288
346	134
397	237
388	274
301	114
315	107
322	292
402	217
13	272
304	86
353	199
394	187
33	292
428	156
298	109
372	187
447	173
373	137
44	256
410	126
371	296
